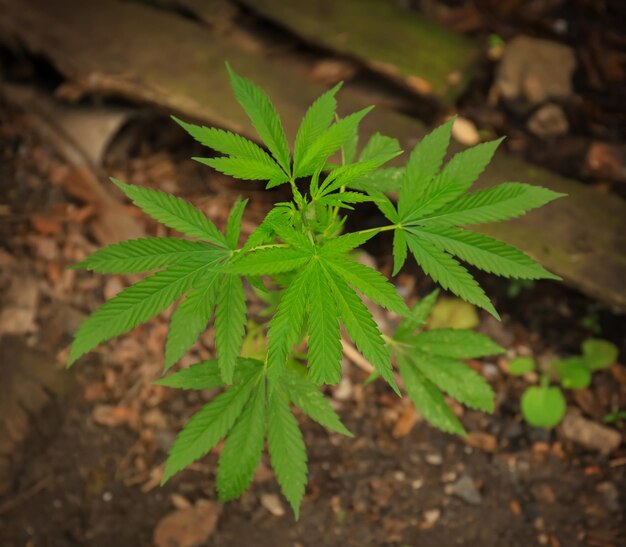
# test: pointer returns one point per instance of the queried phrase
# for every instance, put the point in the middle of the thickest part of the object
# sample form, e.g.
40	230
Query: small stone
466	490
483	441
591	435
343	391
606	161
464	131
272	503
431	516
433	459
417	484
548	121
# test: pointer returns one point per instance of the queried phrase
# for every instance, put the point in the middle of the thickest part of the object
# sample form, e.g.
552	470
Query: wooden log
402	45
144	54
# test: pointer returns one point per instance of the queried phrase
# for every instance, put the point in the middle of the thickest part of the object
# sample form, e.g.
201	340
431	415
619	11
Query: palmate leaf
207	427
345	174
145	254
380	147
345	243
428	399
246	169
173	212
230	323
243	448
344	199
263	115
270	261
310	400
135	305
324	343
316	120
287	450
206	374
446	271
486	253
362	328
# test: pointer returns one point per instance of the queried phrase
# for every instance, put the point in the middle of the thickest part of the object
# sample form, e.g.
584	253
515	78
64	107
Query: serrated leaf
346	174
324	342
370	283
328	143
399	250
227	143
145	254
316	120
233	224
310	400
270	261
207	427
448	273
342	199
243	448
599	354
457	343
135	305
503	202
457	379
191	317
230	323
362	328
345	243
456	177
380	147
287	450
246	169
417	317
385	206
423	164
286	325
543	406
486	253
206	374
386	179
263	115
428	400
264	232
173	212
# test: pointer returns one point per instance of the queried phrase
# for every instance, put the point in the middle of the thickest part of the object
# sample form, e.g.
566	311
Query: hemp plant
301	254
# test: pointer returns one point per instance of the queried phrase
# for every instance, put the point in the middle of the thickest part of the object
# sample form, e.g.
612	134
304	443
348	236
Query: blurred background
86	90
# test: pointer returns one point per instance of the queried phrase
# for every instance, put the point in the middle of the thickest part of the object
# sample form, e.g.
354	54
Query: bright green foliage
306	270
544	406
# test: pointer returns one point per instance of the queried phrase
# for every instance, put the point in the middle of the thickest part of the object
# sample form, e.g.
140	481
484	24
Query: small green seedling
303	262
544	405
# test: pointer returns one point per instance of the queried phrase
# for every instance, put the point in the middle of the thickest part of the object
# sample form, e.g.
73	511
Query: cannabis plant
301	254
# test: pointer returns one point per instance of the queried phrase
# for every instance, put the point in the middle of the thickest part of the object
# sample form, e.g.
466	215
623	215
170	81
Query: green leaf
333	246
263	115
457	343
233	224
243	448
428	399
543	406
448	273
455	178
521	365
423	164
505	201
270	261
227	143
387	179
362	328
385	206
599	354
346	174
457	379
287	450
486	253
316	120
574	373
310	400
342	199
191	317
399	251
328	143
206	374
380	147
230	324
135	305
417	317
370	283
324	342
145	254
207	427
246	169
286	325
173	212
